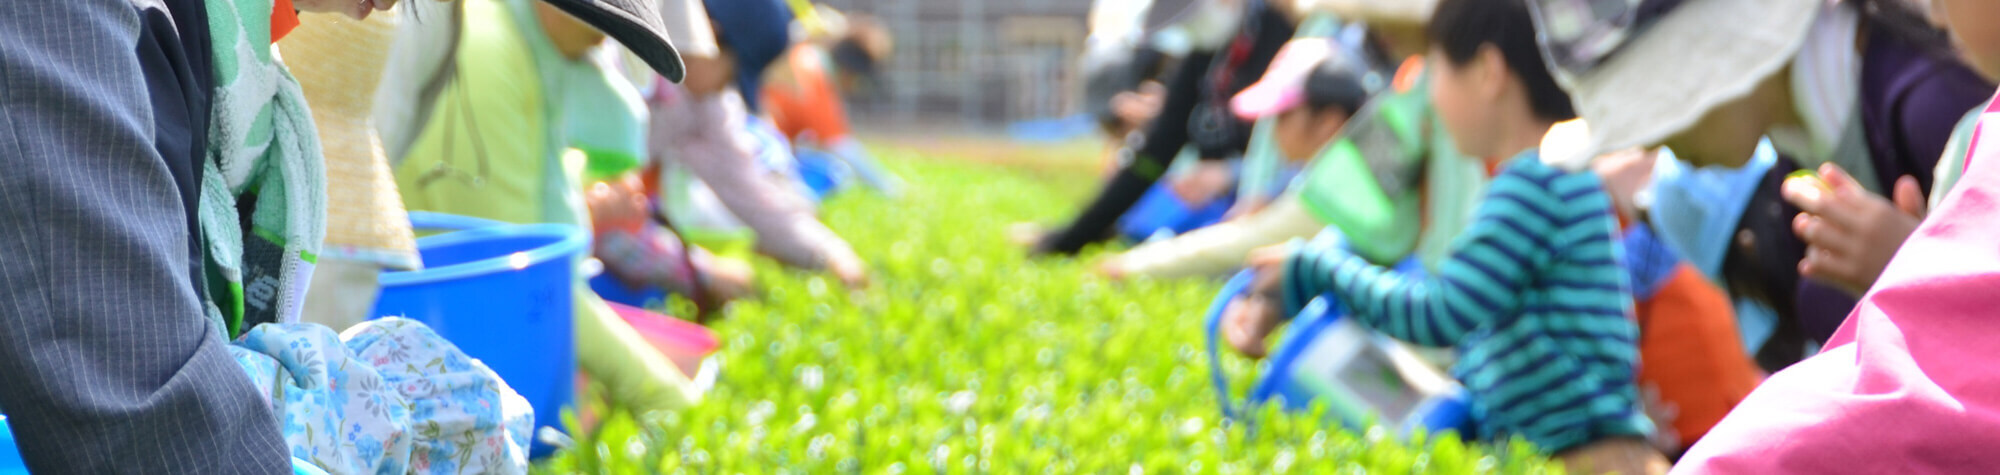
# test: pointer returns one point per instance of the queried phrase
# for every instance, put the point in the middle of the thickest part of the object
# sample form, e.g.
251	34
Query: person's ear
1489	68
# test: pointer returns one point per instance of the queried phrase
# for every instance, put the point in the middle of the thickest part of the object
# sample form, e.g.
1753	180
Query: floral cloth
466	419
394	397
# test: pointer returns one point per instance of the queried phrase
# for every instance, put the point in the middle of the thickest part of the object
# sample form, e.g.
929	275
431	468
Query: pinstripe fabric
106	364
1534	297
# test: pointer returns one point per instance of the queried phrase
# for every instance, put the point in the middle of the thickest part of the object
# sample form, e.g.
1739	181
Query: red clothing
803	98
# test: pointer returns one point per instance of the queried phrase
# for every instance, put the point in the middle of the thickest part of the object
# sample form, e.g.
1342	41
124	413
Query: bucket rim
570	240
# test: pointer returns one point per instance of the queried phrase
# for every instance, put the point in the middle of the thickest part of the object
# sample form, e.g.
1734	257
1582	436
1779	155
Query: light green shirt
496	146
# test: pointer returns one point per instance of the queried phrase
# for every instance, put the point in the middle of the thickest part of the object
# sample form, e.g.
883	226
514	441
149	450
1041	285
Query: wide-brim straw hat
338	62
1409	12
1643	81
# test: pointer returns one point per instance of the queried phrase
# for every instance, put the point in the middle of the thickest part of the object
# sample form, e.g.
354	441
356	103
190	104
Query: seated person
1865	92
1191	113
1310	92
802	93
1532	295
700	130
641	253
1430	188
1903	385
510	144
1694	368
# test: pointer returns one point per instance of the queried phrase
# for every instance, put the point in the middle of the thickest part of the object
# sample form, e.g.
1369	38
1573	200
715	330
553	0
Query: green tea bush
963	357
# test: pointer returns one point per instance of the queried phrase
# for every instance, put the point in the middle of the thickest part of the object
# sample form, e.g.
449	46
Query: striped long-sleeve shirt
1532	295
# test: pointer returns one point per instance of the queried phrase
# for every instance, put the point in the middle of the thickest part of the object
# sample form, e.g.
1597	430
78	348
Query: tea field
965	357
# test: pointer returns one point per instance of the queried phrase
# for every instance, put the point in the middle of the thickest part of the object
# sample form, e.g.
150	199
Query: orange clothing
801	97
1689	350
283	19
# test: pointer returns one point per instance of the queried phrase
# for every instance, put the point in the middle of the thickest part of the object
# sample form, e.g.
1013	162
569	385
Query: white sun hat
1640	71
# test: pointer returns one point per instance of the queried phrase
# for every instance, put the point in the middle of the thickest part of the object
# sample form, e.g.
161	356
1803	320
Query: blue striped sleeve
1484	276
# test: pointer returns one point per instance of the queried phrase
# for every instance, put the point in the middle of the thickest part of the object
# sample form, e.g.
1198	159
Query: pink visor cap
1284	85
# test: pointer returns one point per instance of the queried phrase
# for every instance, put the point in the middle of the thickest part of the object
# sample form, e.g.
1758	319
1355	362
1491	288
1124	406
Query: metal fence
976	62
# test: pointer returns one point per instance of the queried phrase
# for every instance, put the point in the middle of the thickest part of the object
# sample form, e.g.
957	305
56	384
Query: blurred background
971	65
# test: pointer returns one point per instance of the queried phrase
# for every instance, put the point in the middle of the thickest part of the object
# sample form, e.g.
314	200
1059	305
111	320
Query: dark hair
1337	82
850	57
1460	27
1900	20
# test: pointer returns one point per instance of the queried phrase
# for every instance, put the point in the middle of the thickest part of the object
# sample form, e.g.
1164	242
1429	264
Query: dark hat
758	32
635	24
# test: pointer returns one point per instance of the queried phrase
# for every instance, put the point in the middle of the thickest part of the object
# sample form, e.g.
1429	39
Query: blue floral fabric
394	397
466	418
337	412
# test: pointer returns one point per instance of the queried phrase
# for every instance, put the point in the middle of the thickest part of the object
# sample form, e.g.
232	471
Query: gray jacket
106	363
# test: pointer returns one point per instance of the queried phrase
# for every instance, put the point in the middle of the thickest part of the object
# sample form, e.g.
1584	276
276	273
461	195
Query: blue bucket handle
1314	318
1213	325
1316	315
449	222
1305	328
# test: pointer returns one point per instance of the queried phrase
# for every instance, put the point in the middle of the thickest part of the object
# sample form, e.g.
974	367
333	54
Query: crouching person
1532	295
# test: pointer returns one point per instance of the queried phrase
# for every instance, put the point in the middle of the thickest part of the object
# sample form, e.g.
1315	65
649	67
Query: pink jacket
1910	383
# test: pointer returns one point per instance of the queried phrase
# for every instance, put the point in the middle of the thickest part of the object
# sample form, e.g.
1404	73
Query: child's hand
1268	261
1850	233
850	270
1252	317
1247	322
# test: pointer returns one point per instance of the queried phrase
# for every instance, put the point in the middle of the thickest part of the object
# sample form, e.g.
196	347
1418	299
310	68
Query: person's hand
849	269
357	9
1111	268
1136	108
727	279
1663	414
1245	206
618	204
1252	317
1025	234
1849	232
1247	322
1625	174
1268	261
1208	180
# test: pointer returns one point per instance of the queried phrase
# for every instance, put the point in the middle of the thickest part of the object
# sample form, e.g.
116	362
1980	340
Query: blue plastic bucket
504	294
10	455
1162	210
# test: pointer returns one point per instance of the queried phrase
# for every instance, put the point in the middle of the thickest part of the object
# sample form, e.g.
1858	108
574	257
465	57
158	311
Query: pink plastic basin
681	341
